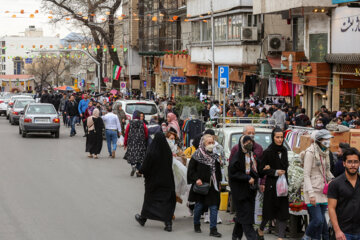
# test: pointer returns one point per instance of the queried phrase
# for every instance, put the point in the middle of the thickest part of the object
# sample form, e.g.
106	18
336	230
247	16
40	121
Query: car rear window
264	139
22	104
149	109
41	109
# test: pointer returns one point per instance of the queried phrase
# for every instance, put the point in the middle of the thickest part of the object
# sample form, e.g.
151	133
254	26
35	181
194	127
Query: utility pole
129	50
213	91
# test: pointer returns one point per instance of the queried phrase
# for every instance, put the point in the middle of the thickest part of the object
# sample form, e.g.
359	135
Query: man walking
113	130
72	113
83	105
344	198
62	107
215	111
122	117
280	117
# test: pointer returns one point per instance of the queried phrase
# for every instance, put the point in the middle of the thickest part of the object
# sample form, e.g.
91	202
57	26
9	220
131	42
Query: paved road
50	190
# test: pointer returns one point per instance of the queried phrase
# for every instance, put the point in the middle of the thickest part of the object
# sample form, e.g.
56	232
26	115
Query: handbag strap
323	169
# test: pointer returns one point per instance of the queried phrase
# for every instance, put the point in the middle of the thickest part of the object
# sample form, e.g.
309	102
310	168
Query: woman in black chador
160	197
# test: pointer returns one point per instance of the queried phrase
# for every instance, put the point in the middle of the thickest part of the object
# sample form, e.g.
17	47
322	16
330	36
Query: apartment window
206	31
234	26
4	67
298	34
220	28
318	47
195	31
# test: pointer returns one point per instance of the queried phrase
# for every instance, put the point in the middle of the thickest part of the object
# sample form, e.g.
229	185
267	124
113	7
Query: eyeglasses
355	162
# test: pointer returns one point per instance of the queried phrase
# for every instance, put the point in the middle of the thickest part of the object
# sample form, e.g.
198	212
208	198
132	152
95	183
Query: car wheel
57	134
20	130
23	134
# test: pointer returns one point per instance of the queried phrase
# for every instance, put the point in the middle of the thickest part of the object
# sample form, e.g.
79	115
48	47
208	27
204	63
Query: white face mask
252	137
210	147
326	143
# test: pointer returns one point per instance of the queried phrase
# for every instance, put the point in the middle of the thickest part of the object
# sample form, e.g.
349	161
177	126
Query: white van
149	108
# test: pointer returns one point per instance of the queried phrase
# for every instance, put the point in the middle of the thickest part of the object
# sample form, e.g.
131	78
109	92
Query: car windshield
22	104
20	97
264	139
149	109
41	109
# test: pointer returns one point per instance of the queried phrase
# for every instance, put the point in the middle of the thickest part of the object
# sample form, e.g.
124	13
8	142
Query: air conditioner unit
276	43
249	34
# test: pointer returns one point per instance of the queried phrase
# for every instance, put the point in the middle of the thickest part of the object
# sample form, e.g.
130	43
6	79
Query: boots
168	226
197	228
140	219
215	233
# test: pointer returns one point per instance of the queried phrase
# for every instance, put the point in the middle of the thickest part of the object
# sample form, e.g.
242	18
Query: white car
149	108
3	105
12	101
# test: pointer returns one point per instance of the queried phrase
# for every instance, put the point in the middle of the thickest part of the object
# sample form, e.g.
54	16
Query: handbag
202	189
326	186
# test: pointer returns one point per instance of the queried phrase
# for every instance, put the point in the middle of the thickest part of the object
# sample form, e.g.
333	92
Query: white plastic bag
282	186
120	141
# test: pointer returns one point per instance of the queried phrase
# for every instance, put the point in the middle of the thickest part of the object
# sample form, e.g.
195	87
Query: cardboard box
305	142
337	139
355	138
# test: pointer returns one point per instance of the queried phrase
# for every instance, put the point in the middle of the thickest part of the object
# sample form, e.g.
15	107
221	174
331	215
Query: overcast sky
16	26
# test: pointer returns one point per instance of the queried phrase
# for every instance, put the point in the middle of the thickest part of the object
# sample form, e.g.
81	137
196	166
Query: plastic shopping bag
120	141
282	186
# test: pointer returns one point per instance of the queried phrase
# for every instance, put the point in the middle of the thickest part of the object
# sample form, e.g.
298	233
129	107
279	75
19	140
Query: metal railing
242	122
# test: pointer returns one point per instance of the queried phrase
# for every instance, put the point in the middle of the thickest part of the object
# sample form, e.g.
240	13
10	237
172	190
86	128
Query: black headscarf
273	146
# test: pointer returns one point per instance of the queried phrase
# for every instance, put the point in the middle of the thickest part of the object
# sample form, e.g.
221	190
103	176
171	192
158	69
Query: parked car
149	108
12	101
18	107
4	100
39	118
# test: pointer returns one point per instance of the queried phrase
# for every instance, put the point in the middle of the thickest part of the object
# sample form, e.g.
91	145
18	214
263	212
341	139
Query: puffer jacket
314	175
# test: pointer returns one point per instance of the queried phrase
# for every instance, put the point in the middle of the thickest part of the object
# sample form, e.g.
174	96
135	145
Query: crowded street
49	189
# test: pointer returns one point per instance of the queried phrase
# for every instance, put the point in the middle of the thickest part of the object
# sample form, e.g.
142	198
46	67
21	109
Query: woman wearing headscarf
135	140
172	123
274	164
204	167
160	198
243	178
94	138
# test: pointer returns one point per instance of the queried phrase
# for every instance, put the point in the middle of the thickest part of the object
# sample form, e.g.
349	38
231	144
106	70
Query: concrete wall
197	7
230	55
272	6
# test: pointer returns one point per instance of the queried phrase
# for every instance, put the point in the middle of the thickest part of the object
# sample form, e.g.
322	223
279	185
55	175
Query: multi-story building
15	53
236	42
297	37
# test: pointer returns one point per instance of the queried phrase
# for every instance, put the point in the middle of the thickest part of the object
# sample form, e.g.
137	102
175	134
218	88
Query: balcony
275	6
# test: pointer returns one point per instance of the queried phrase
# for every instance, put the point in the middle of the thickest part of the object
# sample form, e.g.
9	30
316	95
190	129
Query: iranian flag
116	73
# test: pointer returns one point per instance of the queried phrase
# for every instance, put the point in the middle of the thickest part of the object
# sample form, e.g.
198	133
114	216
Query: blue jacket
83	105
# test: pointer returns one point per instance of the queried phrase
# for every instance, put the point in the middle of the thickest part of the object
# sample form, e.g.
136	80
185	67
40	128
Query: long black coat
197	170
243	196
94	139
274	207
160	197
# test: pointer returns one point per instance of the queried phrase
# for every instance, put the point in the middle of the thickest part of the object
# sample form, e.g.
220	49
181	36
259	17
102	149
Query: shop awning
343	58
275	61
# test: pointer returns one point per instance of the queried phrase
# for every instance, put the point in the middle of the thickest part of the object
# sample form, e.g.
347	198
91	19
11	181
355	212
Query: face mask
248	147
326	143
210	147
252	137
319	124
172	141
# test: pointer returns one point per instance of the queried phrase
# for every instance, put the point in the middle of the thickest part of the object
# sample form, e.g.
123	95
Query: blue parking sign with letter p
223	77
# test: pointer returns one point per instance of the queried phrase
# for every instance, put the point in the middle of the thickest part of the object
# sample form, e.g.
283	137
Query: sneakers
206	217
133	170
219	221
168	227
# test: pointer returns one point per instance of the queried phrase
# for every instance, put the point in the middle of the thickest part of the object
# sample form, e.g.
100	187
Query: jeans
73	120
198	209
111	139
352	236
317	226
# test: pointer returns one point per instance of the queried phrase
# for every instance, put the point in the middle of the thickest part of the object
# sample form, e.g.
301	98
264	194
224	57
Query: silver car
12	101
18	107
3	105
39	118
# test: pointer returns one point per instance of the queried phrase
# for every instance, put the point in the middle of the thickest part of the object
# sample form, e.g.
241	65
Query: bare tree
84	13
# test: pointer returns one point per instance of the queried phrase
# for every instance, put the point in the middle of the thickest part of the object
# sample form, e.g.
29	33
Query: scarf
90	120
174	123
207	158
250	162
325	157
